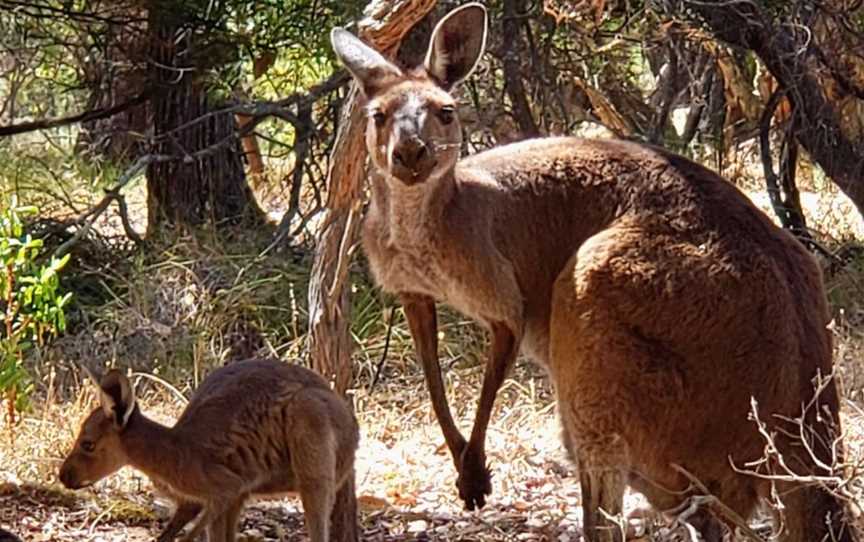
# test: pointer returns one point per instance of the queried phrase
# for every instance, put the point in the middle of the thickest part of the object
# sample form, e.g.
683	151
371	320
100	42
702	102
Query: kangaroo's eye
446	114
379	118
88	446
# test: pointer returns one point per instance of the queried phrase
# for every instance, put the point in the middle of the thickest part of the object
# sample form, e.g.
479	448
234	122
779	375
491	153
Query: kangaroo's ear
371	70
117	397
457	44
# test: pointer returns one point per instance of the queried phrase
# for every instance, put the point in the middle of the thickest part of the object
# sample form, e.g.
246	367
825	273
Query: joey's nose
67	477
411	154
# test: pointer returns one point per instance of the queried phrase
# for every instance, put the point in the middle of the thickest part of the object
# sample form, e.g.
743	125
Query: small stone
417	526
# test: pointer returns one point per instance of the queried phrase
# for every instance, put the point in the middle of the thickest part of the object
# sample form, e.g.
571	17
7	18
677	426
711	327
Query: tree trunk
207	182
789	56
116	78
330	345
511	26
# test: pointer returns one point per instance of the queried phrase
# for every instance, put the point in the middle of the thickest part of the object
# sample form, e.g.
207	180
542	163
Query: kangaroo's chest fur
488	242
410	251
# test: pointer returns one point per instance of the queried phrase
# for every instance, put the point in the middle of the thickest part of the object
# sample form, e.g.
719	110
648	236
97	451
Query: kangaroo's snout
411	160
410	153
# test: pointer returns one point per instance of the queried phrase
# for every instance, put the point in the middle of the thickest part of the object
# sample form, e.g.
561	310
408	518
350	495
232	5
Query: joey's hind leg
186	511
213	511
231	518
318	497
313	461
223	528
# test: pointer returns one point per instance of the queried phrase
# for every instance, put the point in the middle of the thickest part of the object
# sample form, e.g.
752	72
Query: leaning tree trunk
385	25
790	55
206	183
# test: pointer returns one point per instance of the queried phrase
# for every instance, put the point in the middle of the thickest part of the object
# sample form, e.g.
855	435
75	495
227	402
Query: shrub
31	302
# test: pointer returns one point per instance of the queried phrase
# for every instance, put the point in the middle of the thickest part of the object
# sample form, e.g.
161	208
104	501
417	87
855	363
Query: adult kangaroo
660	299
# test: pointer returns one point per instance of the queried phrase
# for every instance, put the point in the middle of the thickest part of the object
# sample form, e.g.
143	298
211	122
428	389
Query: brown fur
658	296
253	428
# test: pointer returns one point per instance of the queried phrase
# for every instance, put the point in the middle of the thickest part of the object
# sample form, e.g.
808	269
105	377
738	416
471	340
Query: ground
405	479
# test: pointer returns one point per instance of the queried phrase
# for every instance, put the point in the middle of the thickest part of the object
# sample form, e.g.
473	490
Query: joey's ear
117	397
371	70
457	44
91	376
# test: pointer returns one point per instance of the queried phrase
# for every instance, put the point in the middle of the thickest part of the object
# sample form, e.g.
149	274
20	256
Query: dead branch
784	199
280	108
303	132
706	498
95	114
773	466
88	218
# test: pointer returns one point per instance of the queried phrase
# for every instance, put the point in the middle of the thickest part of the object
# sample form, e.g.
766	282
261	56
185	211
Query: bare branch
95	114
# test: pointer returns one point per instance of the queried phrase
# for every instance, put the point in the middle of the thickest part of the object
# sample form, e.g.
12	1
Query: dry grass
404	473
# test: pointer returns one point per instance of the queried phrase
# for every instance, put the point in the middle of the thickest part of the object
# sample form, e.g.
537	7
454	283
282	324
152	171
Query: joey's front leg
422	319
474	481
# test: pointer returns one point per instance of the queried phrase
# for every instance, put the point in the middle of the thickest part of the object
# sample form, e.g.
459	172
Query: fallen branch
707	498
88	218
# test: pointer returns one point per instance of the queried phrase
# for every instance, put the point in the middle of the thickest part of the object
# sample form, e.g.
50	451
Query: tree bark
386	23
790	58
511	61
190	191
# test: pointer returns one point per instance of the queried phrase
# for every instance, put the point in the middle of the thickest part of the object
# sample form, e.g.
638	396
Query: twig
164	383
124	219
708	498
386	350
260	110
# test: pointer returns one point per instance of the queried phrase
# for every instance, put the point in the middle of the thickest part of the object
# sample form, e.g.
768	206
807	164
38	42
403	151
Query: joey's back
267	410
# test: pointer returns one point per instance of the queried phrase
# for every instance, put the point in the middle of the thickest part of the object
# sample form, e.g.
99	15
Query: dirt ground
405	478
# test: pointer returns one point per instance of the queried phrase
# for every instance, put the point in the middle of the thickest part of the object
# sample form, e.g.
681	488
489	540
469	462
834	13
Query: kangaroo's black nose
410	154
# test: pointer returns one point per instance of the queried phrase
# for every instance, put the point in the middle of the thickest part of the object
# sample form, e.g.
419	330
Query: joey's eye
88	446
379	118
446	114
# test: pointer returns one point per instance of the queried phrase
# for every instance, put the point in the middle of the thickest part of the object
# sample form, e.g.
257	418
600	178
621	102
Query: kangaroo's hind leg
602	502
313	461
223	528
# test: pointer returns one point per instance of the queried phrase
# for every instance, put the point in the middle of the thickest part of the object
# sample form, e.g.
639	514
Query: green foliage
31	303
